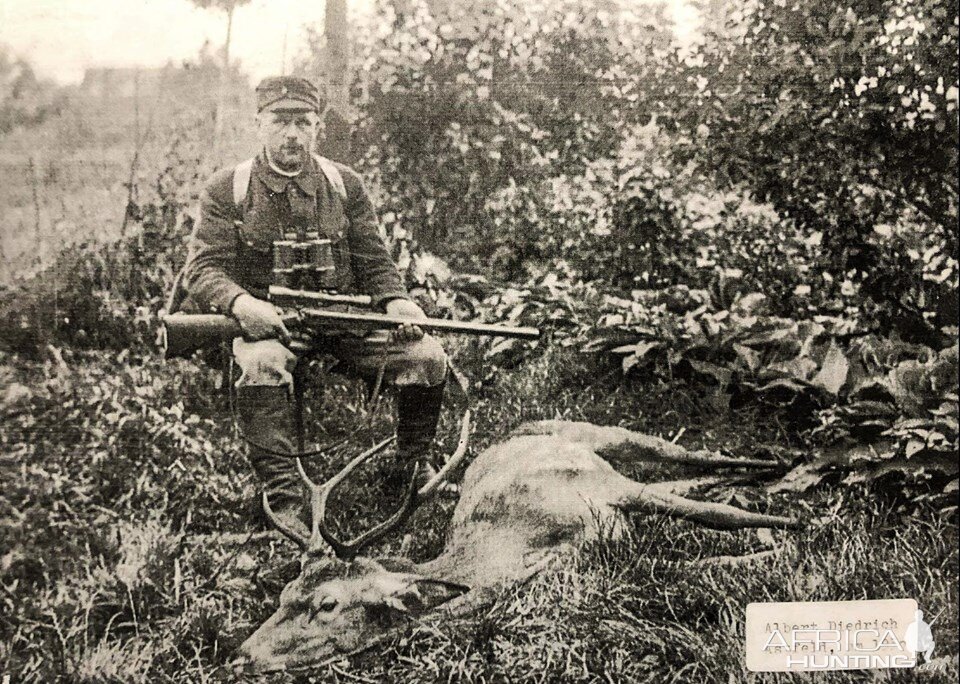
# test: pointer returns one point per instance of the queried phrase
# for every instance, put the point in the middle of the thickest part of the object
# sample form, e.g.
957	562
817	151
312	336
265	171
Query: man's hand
405	309
258	319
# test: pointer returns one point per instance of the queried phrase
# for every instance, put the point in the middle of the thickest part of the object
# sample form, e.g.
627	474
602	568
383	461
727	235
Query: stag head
337	605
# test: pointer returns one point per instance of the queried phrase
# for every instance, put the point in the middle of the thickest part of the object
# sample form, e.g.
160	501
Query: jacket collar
307	180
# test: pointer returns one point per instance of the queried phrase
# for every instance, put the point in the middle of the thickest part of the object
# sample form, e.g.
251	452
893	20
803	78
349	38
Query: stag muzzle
261	652
256	655
284	641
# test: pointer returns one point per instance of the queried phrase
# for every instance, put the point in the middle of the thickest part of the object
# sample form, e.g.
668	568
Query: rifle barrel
374	321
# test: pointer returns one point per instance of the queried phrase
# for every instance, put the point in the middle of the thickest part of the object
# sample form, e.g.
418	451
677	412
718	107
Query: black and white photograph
521	341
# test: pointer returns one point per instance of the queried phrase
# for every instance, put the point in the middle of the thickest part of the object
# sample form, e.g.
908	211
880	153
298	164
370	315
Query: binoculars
303	260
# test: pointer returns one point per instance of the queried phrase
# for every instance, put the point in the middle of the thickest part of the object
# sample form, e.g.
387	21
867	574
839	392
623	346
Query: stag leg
684	487
636	446
715	515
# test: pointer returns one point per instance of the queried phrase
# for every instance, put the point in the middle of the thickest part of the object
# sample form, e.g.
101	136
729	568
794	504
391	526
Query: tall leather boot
418	413
267	420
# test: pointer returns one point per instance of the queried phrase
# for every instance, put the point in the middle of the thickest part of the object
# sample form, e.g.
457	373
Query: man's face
287	135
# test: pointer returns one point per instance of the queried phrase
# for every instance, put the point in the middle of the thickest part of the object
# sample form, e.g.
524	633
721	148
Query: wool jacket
230	251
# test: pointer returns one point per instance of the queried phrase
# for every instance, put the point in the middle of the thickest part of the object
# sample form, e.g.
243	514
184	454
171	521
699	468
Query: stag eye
324	605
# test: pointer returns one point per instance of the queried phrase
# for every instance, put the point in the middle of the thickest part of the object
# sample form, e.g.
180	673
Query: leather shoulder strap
243	170
241	181
177	293
333	175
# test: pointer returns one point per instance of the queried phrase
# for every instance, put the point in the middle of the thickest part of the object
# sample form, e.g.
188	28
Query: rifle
183	334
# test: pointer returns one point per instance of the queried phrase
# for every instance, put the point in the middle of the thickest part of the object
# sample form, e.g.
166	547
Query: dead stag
523	502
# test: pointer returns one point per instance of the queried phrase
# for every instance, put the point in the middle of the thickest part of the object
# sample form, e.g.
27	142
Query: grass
642	610
130	553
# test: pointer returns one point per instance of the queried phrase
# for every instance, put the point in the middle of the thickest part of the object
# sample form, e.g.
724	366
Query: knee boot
267	421
418	413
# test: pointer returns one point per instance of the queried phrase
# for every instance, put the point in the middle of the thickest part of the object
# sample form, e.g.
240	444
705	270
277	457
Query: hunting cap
288	93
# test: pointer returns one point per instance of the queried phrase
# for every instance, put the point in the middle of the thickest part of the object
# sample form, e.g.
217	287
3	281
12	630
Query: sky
61	38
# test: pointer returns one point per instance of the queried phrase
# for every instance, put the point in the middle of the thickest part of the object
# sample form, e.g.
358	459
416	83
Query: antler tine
318	505
414	497
409	505
320	493
301	540
347	469
455	459
716	515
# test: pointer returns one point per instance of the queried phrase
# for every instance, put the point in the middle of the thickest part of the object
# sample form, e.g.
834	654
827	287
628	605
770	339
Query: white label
835	635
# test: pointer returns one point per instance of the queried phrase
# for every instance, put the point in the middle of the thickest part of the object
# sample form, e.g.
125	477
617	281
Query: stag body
523	502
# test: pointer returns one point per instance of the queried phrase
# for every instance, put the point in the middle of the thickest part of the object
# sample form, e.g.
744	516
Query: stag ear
420	594
397	564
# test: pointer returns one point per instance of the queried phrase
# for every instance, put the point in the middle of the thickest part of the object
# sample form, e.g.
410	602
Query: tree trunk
336	79
222	86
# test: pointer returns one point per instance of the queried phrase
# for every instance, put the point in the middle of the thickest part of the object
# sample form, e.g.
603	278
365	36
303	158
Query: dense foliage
465	120
810	136
844	118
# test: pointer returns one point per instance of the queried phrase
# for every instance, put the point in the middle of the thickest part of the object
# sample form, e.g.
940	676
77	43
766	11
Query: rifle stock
184	334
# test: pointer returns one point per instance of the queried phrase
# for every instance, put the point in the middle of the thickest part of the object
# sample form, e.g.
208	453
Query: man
230	266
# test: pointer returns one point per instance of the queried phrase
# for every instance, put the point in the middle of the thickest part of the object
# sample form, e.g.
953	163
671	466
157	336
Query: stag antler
319	494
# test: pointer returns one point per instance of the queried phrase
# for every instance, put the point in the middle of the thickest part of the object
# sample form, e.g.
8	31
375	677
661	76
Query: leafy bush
461	116
873	408
636	221
843	117
869	408
737	164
